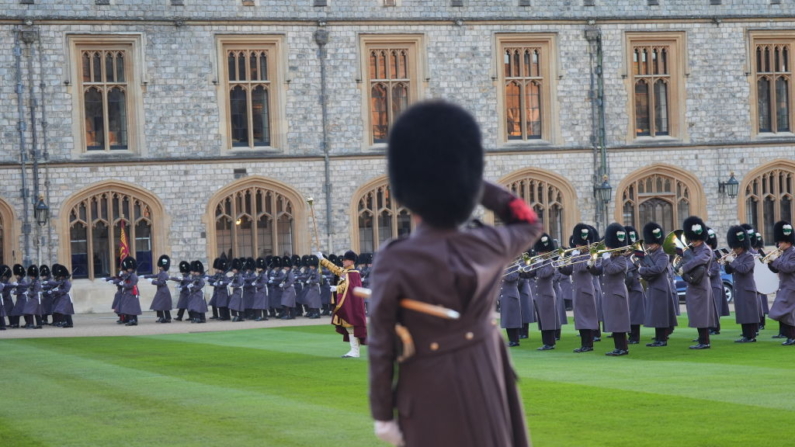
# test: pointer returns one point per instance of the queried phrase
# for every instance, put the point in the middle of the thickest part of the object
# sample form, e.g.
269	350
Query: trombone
593	252
524	258
627	249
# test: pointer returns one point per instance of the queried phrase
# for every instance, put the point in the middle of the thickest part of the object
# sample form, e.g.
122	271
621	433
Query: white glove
388	431
320	255
606	255
281	285
591	262
333	288
190	286
15	284
55	289
575	253
151	280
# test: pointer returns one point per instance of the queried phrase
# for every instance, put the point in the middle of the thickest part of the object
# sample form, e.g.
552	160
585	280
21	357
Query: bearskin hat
332	258
760	242
5	271
653	233
632	234
581	235
782	232
19	270
751	233
350	255
63	272
184	267
216	263
445	187
296	260
338	263
197	266
305	260
250	264
615	236
261	263
738	237
164	261
712	238
129	263
594	234
223	263
276	262
237	265
33	271
287	261
695	229
365	258
544	244
313	260
44	270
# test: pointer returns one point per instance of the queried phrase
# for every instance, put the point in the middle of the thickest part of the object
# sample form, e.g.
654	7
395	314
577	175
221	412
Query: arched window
100	218
768	193
661	194
6	237
256	217
377	217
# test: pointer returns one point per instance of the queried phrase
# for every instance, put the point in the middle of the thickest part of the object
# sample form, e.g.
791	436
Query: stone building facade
187	161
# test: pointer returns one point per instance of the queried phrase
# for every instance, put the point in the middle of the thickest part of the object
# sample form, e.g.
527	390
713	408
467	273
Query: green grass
287	387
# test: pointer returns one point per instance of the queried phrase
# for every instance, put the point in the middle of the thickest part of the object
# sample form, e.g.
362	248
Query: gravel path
104	325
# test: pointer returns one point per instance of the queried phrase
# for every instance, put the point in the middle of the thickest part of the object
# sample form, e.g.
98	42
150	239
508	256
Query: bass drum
766	281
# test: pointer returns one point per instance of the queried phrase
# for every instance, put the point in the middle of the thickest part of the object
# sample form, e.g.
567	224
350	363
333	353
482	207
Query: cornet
727	258
772	256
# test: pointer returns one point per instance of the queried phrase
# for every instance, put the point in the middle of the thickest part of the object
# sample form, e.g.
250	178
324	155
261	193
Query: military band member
746	302
116	281
759	246
655	267
637	297
288	291
249	289
526	292
184	280
197	305
236	305
130	304
511	306
783	309
718	293
63	307
260	304
693	268
348	315
20	287
312	287
162	301
46	295
616	296
582	270
435	168
219	283
275	287
546	299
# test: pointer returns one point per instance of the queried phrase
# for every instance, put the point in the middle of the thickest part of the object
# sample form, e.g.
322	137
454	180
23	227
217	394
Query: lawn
287	387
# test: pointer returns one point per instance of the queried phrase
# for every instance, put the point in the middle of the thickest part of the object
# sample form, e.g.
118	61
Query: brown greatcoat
459	388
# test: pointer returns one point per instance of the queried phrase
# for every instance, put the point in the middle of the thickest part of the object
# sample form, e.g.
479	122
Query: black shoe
2	328
657	344
178	319
762	327
789	342
28	326
584	349
712	332
695	340
745	340
259	319
131	323
597	339
16	326
513	344
65	326
633	342
610	336
119	321
214	318
617	353
700	346
166	321
37	327
779	336
524	336
545	348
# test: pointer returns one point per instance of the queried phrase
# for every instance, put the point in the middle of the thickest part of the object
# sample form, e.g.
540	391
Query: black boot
215	314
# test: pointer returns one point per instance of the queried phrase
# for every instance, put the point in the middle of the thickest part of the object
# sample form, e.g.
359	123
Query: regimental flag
124	247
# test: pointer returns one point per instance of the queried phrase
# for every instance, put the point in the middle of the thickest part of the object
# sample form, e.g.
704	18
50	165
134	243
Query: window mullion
105	120
522	110
89	240
276	248
250	115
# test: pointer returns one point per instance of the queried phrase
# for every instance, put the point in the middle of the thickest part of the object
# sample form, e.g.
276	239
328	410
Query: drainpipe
44	148
29	37
321	38
598	136
23	156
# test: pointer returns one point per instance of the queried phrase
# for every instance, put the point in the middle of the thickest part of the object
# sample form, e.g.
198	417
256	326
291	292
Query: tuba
675	240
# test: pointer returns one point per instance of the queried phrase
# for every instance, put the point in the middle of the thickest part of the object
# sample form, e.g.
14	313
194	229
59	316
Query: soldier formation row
38	294
622	285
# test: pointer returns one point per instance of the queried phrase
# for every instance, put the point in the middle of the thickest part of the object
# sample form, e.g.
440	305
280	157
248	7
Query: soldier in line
312	287
718	294
693	268
783	309
236	305
616	298
249	290
46	296
654	268
197	305
20	286
582	270
129	303
746	302
5	273
275	287
759	247
116	281
182	301
301	275
511	306
637	309
219	282
597	287
162	301
63	307
546	299
260	304
527	290
288	291
32	309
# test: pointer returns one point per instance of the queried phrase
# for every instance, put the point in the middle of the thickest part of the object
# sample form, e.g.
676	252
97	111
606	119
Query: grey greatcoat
526	298
313	289
129	303
33	304
510	304
2	307
546	300
562	285
184	280
21	292
746	302
236	298
300	290
7	303
660	309
762	299
325	288
277	277
783	308
637	298
597	291
462	393
616	297
582	292
162	300
718	294
220	292
117	296
288	291
701	312
196	302
249	290
62	298
261	291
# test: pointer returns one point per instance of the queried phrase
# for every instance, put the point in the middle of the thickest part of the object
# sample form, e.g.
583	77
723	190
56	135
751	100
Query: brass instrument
772	256
627	249
524	258
727	256
675	240
593	251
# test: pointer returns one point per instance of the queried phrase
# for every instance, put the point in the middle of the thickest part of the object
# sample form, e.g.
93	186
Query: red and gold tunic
348	308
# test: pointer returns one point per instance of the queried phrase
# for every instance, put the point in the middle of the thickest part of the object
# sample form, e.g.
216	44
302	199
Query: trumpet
772	256
727	258
627	249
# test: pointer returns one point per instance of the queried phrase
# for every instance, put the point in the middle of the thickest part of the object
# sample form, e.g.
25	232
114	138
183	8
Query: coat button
469	336
434	346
